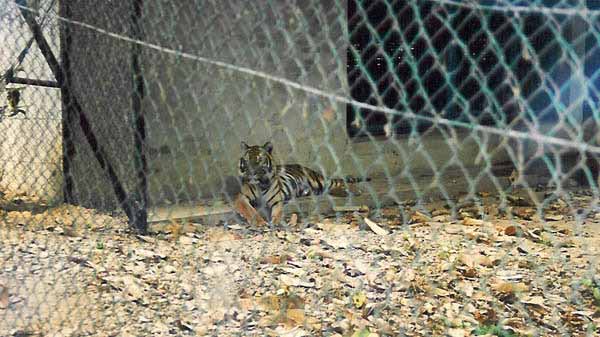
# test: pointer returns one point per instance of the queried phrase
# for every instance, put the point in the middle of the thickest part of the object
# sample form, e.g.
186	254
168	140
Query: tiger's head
256	164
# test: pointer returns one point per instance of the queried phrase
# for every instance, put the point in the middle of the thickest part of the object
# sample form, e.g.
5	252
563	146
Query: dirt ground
475	269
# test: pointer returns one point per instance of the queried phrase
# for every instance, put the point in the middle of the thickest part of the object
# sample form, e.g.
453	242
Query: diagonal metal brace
99	153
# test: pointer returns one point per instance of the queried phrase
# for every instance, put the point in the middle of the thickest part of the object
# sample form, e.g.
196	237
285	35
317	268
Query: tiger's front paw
276	214
274	223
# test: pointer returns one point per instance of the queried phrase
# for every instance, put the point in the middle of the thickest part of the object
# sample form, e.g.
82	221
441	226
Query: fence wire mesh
148	188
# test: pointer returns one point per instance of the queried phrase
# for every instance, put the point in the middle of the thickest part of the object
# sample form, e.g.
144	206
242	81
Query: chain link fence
468	130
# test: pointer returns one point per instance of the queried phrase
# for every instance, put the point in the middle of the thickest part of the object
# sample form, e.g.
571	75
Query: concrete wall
30	147
101	80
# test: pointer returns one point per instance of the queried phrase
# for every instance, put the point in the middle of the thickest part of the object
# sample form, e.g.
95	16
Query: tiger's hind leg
242	205
343	188
338	192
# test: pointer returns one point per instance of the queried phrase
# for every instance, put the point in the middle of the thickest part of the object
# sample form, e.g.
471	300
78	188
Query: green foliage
593	288
596	294
365	332
492	330
588	283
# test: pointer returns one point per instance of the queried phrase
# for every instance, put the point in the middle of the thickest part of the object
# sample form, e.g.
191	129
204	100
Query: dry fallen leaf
277	302
144	254
452	332
486	317
145	238
364	332
133	287
375	227
535	300
524	212
130	285
295	315
315	253
473	260
419	217
359	208
282	331
453	229
217	235
465	287
341	242
295	282
509	288
246	304
186	240
267	321
554	217
509	275
472	222
513	231
586	314
284	309
519	201
469	272
578	318
274	259
3	297
331	227
441	292
359	299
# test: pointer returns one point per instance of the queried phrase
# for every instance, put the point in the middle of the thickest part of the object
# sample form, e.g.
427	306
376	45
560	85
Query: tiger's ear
269	147
244	146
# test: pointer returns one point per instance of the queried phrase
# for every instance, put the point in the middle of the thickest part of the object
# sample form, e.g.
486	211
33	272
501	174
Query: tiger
268	187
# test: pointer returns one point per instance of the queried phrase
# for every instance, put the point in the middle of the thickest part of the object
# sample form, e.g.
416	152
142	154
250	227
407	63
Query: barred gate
473	126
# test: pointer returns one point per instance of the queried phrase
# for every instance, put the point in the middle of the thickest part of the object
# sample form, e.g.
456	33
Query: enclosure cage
468	129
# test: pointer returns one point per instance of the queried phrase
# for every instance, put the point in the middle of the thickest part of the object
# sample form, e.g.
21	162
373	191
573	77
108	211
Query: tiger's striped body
267	187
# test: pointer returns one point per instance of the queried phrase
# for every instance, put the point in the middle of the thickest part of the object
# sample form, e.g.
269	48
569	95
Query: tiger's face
256	164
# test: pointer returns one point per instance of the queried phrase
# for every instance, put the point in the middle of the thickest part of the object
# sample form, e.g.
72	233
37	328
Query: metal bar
85	125
68	113
30	81
38	36
141	165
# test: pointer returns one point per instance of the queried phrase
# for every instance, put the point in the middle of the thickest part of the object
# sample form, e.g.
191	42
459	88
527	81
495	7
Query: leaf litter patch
399	271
